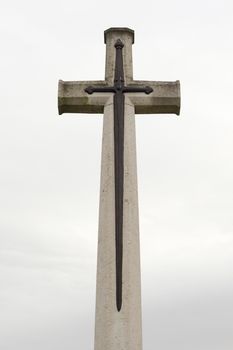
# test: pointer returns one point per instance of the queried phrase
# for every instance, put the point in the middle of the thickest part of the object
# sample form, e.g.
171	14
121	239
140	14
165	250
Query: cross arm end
165	98
72	97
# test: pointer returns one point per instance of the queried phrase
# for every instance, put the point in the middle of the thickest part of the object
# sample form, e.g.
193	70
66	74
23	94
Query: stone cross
119	97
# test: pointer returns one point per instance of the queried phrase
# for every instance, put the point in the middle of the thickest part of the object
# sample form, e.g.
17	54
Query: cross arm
72	97
165	97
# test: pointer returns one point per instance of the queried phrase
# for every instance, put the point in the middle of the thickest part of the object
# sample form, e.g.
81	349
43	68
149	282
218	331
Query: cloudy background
50	170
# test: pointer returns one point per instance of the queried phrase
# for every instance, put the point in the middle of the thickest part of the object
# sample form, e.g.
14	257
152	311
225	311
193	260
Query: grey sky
50	168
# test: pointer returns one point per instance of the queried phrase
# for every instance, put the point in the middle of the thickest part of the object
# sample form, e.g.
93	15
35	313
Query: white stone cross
119	97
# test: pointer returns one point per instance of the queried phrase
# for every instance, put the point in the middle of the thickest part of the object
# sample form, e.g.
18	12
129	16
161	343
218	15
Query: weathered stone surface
165	97
118	330
72	97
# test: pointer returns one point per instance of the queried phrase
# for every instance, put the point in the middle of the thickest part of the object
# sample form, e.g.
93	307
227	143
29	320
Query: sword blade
119	105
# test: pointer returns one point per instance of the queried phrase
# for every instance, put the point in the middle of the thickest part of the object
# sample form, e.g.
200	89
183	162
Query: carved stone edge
60	93
119	29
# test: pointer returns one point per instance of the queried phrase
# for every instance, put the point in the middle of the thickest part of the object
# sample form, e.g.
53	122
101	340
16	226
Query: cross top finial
118	30
119	38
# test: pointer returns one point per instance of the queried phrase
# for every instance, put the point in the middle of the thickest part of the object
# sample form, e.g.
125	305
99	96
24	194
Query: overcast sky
50	171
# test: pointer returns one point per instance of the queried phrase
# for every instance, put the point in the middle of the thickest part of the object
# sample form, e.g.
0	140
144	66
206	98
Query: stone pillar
118	330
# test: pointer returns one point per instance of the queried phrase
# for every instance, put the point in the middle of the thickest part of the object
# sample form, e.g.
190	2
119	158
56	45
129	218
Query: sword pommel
119	44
